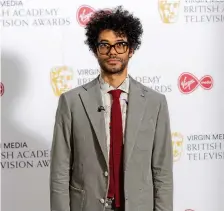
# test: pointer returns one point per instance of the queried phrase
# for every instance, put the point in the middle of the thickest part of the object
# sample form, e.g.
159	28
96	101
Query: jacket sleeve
60	158
162	161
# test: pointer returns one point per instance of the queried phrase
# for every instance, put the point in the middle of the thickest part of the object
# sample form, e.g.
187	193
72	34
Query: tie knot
115	93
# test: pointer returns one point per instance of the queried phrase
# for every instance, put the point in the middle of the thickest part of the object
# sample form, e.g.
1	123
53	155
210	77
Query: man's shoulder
149	92
74	93
79	89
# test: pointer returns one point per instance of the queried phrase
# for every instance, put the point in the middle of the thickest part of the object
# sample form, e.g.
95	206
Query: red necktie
116	149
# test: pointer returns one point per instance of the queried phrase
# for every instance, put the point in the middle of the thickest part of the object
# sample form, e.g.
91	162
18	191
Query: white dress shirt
107	102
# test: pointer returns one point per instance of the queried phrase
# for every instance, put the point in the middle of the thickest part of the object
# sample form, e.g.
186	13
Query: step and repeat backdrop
43	55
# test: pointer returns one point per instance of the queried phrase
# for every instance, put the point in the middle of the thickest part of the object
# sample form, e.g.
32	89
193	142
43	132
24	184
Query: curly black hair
120	21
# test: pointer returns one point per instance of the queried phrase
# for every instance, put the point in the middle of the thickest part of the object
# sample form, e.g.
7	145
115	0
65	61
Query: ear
131	52
95	54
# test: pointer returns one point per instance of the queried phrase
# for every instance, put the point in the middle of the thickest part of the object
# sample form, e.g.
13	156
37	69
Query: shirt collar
105	87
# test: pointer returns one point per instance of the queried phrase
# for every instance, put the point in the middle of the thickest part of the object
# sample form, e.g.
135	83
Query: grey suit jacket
79	168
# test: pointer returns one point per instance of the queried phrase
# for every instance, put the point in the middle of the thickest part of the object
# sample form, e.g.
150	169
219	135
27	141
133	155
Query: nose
112	51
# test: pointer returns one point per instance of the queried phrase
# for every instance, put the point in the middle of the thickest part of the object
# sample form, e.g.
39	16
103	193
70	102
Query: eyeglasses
120	47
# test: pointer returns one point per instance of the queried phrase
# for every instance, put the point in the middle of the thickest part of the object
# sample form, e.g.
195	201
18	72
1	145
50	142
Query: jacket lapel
135	111
92	99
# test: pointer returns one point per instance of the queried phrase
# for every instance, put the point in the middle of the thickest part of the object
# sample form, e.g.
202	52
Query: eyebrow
120	40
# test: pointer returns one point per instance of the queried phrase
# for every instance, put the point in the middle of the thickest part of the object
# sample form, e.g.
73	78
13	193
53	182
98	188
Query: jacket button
102	201
105	173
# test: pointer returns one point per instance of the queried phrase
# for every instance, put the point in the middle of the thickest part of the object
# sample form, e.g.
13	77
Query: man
112	146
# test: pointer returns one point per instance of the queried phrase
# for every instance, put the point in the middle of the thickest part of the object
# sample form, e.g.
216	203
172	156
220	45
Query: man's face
113	60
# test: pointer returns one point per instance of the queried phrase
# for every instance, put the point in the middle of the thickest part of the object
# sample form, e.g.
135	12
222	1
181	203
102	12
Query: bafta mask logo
169	10
177	142
61	79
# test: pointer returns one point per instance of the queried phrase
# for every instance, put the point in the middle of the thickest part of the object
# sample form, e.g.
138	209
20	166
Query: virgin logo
2	89
187	83
84	14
